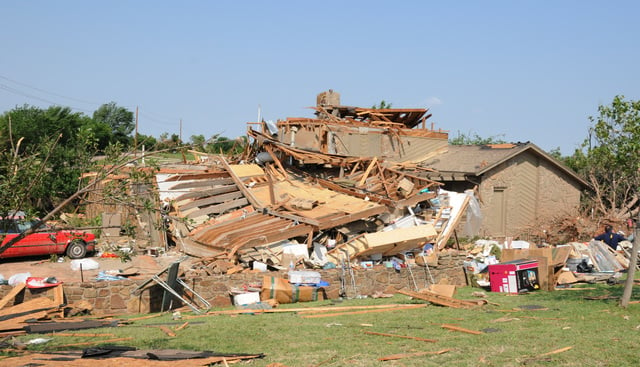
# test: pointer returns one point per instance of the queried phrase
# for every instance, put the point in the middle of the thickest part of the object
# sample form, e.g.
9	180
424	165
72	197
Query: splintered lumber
17	322
167	331
365	311
460	329
182	326
367	171
34	305
401	336
439	299
561	350
17	289
409	355
299	310
387	242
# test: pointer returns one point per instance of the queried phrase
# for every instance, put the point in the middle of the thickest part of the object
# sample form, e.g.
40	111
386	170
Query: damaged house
520	187
333	183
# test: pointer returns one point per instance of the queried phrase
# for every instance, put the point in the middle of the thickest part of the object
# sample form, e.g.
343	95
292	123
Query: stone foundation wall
115	297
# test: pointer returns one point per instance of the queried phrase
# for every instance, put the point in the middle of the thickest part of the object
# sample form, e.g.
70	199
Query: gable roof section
476	160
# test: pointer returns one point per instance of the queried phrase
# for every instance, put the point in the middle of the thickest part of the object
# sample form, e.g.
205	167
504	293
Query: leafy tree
222	145
147	141
119	119
48	147
383	105
198	142
475	139
610	159
167	142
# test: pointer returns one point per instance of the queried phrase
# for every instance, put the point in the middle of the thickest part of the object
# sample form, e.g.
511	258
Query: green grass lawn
599	332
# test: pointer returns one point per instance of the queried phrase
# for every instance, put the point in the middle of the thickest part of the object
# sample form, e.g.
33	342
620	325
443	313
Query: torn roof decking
253	229
407	117
381	182
223	219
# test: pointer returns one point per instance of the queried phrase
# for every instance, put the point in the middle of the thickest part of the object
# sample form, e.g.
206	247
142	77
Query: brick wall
115	297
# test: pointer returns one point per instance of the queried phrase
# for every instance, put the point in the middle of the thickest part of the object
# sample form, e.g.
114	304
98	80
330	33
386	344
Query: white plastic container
248	298
304	277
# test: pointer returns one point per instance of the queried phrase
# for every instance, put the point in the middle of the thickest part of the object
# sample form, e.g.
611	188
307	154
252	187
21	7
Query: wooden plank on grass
182	326
167	331
439	299
561	350
460	329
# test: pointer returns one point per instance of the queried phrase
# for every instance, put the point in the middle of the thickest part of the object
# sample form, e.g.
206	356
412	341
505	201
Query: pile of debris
311	198
558	266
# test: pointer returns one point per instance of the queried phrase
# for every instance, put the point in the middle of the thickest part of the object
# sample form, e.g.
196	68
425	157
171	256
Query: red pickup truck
45	241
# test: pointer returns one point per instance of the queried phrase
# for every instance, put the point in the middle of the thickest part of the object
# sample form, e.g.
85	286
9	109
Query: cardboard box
284	292
514	276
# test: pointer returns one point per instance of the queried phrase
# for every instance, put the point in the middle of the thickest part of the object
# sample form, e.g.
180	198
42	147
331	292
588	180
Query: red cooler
514	276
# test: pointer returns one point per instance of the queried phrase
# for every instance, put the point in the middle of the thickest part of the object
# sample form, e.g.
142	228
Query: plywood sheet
246	170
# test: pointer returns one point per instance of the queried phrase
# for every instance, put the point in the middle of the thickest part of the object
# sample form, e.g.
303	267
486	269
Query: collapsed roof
350	171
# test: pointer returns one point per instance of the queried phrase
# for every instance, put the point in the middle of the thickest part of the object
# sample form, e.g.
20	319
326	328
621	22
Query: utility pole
135	137
180	142
631	270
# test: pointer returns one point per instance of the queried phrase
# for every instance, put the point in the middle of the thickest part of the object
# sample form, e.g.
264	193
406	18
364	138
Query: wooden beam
439	299
463	330
367	171
11	295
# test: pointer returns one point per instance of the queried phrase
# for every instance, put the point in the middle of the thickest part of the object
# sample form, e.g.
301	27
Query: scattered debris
460	329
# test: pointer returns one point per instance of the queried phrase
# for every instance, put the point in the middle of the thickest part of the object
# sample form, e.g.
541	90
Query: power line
148	115
18	92
48	92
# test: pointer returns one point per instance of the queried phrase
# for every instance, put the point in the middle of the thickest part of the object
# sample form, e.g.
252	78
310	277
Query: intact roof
476	160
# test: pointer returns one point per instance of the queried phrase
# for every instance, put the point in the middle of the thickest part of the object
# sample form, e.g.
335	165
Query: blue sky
517	70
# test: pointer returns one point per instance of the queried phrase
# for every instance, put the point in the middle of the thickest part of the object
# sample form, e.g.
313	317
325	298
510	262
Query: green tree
475	139
50	146
383	105
149	142
610	159
222	145
198	142
119	119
